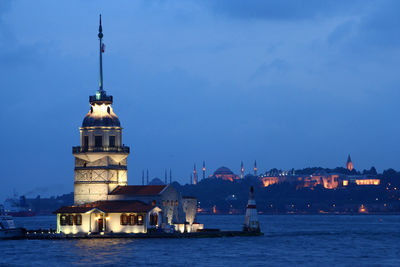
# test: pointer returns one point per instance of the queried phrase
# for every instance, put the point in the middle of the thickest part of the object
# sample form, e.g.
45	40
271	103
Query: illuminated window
163	203
63	219
111	141
124	219
78	219
167	203
176	203
132	219
98	141
140	219
153	203
70	220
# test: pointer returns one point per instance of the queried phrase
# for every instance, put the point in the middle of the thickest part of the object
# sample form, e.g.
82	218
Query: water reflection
101	250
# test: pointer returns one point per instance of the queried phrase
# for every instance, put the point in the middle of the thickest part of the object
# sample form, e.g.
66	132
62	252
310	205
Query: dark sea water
314	240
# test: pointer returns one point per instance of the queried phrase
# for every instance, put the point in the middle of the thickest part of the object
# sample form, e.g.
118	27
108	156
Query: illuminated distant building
349	164
241	170
255	168
325	180
103	200
225	174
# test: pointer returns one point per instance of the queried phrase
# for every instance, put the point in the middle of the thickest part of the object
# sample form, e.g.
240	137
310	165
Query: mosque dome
101	115
156	181
223	171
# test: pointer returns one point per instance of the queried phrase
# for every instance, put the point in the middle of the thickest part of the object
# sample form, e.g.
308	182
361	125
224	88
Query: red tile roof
108	206
139	190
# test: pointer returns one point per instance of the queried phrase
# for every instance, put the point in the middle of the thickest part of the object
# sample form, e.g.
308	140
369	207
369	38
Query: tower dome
101	114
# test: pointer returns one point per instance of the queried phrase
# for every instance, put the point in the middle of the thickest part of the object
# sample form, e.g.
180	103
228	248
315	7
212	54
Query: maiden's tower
103	200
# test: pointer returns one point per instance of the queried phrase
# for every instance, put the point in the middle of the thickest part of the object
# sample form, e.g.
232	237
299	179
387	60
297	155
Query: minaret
142	177
251	223
349	164
170	176
241	170
165	177
194	174
255	168
191	178
147	176
204	170
100	160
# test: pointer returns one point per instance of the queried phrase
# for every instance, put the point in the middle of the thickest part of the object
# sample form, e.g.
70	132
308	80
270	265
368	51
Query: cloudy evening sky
290	84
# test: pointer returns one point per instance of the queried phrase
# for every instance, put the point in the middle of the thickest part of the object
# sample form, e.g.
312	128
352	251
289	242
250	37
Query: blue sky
290	84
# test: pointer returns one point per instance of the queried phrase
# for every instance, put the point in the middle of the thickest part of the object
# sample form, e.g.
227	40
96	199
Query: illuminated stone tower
349	164
101	159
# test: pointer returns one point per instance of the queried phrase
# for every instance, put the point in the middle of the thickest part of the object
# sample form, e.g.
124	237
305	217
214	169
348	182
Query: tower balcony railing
83	149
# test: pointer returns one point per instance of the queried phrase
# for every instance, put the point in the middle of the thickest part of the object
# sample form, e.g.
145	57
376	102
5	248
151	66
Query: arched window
124	219
70	220
153	219
167	203
153	203
176	203
132	219
140	219
78	219
63	219
108	110
163	203
98	141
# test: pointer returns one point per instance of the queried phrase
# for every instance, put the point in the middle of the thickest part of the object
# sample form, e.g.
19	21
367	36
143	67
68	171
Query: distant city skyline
200	81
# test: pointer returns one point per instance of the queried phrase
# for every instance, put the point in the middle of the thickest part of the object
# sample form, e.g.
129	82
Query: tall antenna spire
100	97
101	50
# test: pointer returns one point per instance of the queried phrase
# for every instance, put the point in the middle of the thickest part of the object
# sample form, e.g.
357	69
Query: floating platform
31	234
